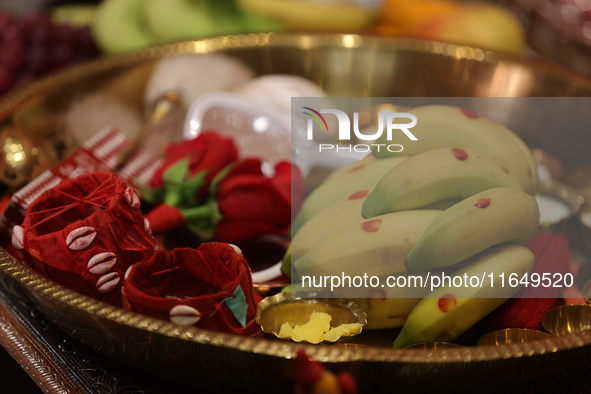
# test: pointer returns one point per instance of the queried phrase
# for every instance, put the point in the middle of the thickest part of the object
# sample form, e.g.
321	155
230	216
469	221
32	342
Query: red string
164	271
89	199
220	284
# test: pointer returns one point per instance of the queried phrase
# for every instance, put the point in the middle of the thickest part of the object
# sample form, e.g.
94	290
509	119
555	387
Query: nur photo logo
386	122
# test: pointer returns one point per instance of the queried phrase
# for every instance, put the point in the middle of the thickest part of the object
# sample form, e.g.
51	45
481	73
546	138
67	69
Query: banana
473	225
386	307
389	307
340	214
386	312
311	15
437	175
440	126
364	175
375	247
449	311
369	158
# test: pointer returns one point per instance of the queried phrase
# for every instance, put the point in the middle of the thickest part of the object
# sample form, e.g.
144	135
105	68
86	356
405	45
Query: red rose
252	204
205	156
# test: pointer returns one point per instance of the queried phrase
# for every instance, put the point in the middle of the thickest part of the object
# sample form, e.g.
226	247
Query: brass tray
344	65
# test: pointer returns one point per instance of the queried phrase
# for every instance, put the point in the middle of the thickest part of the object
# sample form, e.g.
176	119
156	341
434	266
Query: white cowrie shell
132	198
107	282
18	237
81	238
184	315
127	272
236	248
102	262
147	227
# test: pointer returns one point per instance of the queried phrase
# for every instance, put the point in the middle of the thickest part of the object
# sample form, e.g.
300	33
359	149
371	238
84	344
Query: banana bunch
358	176
459	200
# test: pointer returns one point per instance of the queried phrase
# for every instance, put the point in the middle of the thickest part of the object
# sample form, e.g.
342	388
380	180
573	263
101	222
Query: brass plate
344	65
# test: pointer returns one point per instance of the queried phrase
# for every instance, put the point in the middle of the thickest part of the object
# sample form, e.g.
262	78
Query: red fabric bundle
552	255
84	233
210	287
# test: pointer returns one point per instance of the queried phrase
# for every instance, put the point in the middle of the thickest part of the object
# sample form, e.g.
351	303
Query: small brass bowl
435	346
567	319
510	336
281	308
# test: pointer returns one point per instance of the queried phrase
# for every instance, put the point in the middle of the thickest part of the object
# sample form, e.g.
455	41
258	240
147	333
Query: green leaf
192	187
213	186
203	231
174	195
208	211
177	173
153	195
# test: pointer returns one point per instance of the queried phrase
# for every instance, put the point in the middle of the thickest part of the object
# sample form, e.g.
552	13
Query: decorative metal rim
282	349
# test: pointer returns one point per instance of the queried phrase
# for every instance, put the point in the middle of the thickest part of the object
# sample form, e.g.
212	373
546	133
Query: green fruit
436	175
312	15
449	311
173	20
375	247
76	15
119	26
475	224
441	126
340	214
363	175
286	263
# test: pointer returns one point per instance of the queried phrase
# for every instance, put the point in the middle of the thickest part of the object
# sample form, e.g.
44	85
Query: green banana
364	175
375	247
449	311
437	175
473	225
440	126
340	214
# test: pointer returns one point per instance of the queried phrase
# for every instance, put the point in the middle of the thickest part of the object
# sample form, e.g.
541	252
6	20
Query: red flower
241	203
252	204
207	152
